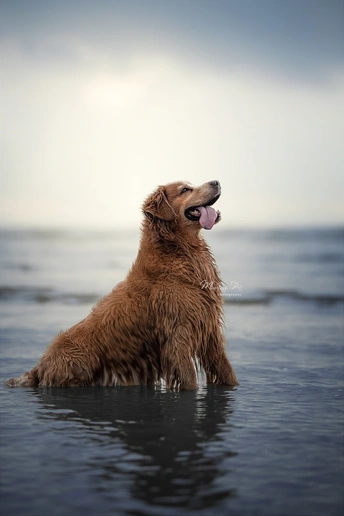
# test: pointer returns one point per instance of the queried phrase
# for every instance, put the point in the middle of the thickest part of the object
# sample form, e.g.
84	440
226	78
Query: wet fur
159	323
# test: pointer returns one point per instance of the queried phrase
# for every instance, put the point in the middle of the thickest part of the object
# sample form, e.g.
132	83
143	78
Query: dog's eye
185	190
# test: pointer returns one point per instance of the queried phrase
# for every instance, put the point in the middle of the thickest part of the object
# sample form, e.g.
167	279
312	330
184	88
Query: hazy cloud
302	39
102	101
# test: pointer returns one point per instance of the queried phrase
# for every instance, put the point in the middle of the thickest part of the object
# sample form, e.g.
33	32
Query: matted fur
160	321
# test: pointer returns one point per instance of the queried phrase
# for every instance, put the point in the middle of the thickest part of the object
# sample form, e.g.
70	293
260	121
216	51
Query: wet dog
161	323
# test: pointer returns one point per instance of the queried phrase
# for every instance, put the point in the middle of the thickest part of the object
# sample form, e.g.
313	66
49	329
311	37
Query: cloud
301	41
96	114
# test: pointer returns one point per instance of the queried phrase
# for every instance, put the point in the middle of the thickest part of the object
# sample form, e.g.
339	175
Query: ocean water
272	446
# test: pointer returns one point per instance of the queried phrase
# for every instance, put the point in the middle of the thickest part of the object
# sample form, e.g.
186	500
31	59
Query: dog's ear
158	206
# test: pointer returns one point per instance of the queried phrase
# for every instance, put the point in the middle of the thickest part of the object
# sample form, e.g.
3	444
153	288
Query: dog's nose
215	183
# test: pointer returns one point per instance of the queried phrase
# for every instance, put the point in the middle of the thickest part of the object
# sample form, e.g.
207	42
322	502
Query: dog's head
184	205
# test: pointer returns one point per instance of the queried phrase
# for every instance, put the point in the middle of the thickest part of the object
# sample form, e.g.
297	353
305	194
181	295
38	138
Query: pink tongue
208	216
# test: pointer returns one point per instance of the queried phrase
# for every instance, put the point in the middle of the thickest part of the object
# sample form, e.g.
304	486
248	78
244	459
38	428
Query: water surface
272	446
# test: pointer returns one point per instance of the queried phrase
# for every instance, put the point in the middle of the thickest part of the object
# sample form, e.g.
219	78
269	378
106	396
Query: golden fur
161	322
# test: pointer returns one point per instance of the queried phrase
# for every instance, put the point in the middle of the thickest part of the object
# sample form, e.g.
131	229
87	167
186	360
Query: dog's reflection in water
172	446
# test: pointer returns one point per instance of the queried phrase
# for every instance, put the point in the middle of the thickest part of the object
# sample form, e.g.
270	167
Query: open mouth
205	214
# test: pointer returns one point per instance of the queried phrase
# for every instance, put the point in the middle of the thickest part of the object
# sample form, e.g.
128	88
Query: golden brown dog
161	322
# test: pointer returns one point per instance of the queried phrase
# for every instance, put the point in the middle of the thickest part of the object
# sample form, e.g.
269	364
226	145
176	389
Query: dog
162	323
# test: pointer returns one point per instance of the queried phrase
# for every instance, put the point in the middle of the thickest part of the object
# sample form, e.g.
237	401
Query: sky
103	101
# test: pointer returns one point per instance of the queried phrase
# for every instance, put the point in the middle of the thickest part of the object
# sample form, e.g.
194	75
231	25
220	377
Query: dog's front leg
178	367
215	363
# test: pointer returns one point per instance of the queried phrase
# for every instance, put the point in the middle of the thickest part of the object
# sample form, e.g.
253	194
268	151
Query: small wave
66	235
48	295
45	295
334	257
334	234
269	296
330	234
25	267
